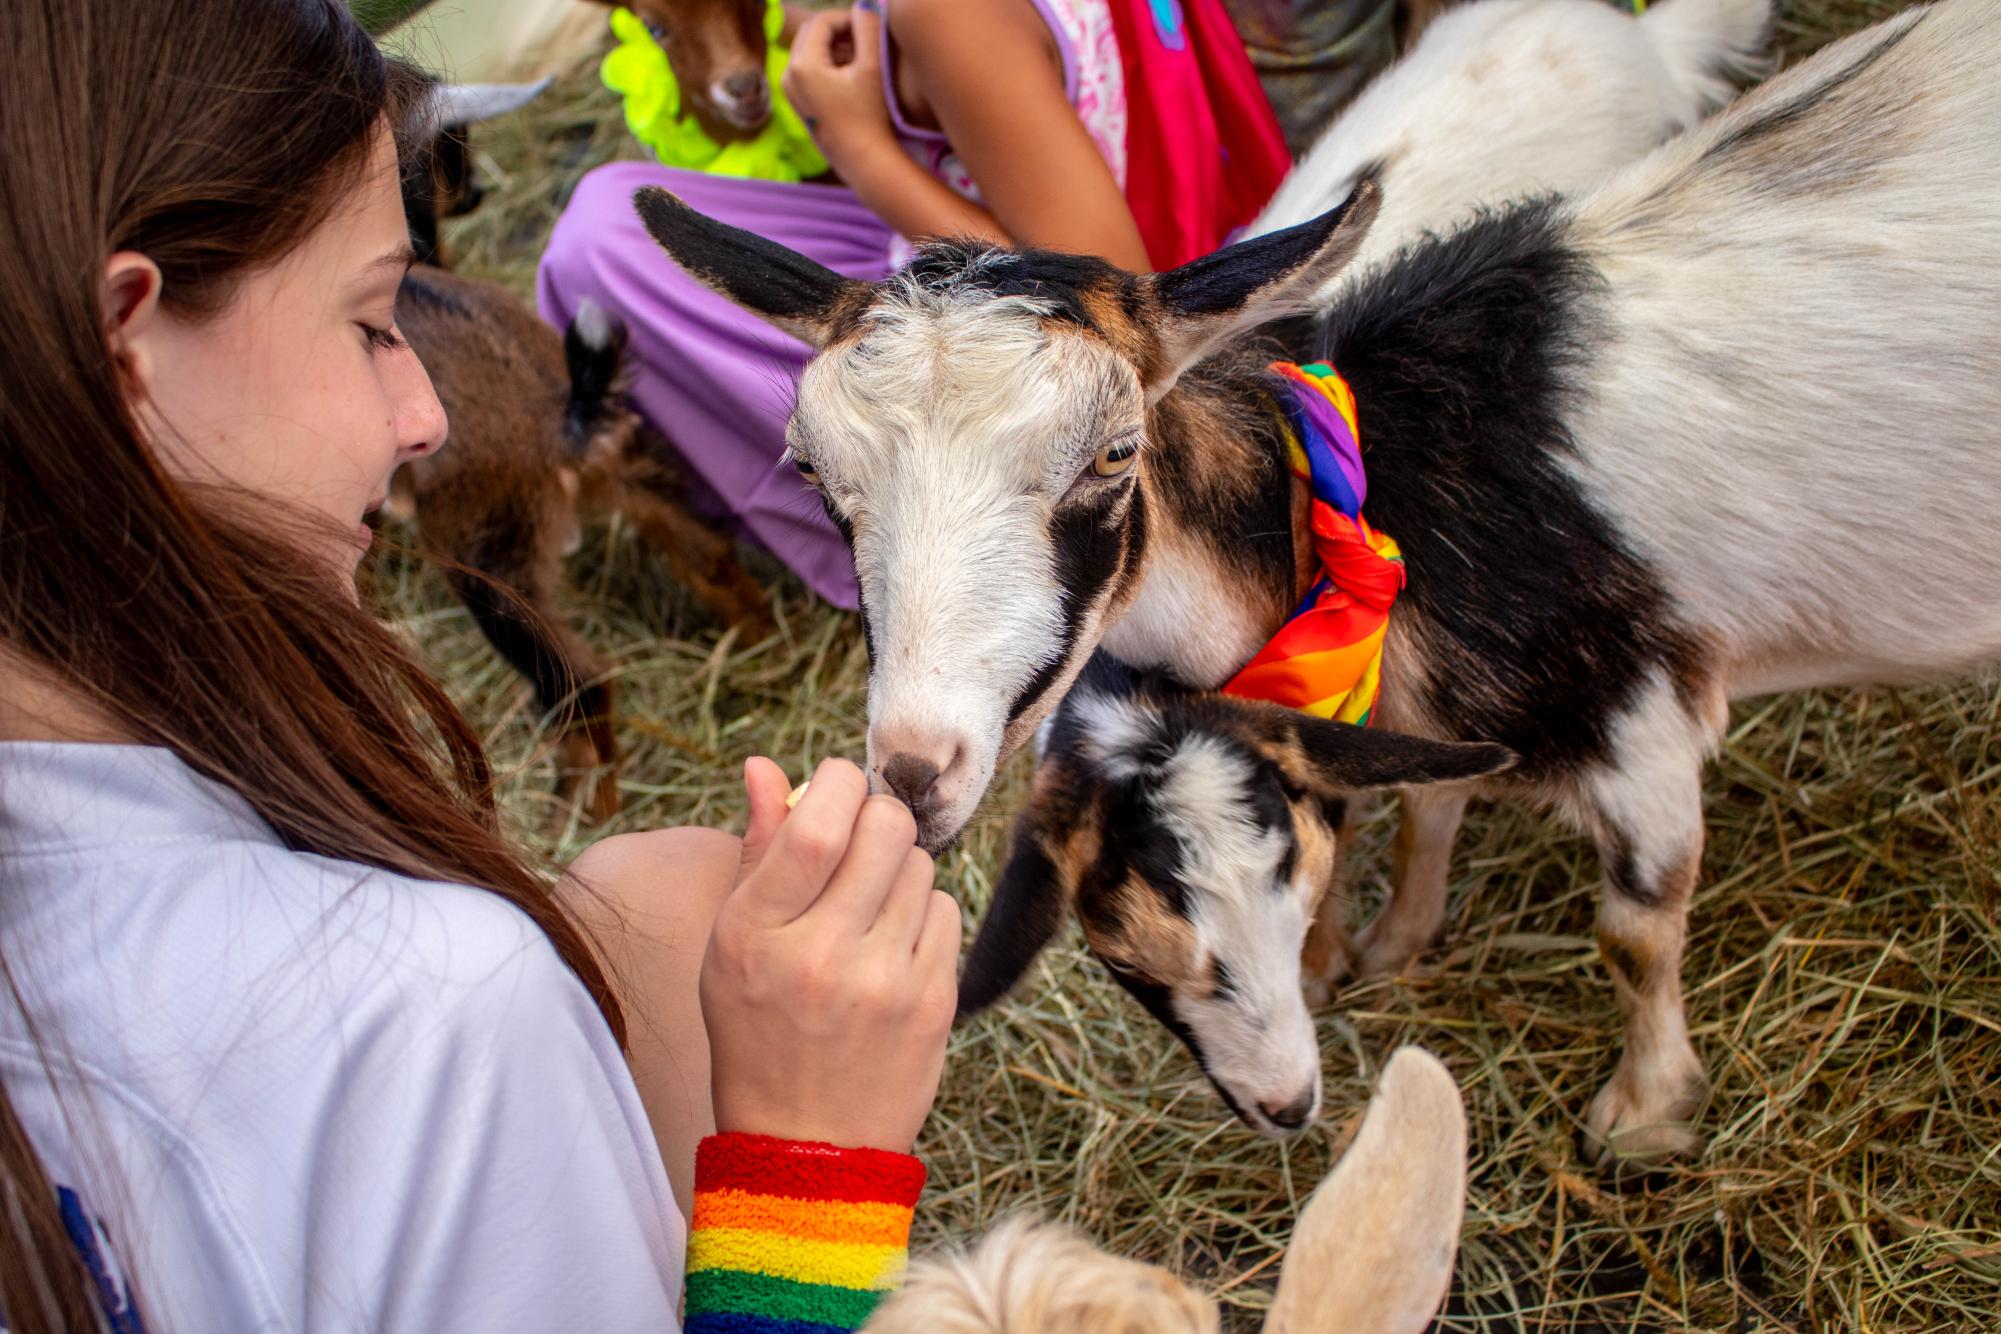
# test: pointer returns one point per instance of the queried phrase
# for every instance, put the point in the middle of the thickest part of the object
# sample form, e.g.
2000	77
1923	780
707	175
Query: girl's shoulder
307	1068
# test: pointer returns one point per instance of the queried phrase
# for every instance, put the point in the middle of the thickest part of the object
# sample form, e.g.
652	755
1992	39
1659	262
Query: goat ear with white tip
1031	899
773	282
1373	1251
1208	301
457	104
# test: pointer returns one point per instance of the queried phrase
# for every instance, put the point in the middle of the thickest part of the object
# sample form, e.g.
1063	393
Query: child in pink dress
1006	120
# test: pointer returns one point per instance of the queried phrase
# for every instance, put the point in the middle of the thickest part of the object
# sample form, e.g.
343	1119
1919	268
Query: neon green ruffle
637	70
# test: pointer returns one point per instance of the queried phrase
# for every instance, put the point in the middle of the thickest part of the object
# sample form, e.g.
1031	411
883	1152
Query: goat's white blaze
1256	1039
949	437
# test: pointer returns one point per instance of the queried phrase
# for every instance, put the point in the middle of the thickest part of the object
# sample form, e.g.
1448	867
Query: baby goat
1701	433
541	440
1372	1252
1195	835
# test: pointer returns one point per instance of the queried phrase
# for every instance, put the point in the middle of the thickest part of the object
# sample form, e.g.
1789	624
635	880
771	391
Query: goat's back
497	368
1504	99
1791	397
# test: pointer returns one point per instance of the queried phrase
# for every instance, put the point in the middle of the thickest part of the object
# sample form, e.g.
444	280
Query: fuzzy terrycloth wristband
795	1238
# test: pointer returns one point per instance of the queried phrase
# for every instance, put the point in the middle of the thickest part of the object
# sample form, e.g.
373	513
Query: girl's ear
1033	894
779	285
129	305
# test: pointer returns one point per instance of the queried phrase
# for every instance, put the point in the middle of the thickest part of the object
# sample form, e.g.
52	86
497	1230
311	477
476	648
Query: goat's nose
745	85
1294	1114
744	97
912	778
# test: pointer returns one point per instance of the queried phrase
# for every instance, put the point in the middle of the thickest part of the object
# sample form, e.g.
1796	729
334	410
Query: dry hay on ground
1844	968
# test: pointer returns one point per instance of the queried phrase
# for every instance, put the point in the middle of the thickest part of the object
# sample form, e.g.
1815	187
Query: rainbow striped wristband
795	1238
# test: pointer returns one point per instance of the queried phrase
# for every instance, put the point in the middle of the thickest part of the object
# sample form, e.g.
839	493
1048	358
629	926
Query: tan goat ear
1341	757
1373	1251
1210	300
779	285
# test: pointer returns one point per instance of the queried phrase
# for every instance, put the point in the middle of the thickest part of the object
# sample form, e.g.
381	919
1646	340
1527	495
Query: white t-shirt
310	1095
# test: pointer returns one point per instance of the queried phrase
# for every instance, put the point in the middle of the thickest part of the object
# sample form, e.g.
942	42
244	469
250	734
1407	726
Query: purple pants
717	381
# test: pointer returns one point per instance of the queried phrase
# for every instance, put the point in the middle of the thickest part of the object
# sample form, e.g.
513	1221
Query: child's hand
834	80
831	978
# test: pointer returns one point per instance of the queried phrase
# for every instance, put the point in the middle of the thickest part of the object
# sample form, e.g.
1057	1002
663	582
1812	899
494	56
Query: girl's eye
383	340
1116	457
806	470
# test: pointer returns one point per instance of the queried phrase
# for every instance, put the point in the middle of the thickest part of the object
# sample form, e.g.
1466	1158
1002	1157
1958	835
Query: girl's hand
834	80
831	977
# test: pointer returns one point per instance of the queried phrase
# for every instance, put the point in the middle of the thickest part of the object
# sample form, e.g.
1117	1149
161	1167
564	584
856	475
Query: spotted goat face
1194	836
978	427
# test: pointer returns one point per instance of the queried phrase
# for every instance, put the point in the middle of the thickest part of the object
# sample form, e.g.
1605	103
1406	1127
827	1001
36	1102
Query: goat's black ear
1207	301
1343	757
1030	901
799	295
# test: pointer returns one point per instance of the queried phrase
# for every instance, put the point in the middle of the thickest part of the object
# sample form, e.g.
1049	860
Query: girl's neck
35	705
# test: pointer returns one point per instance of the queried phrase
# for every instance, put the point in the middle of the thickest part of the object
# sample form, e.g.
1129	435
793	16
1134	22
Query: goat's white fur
1510	98
1793	414
952	431
1258	1041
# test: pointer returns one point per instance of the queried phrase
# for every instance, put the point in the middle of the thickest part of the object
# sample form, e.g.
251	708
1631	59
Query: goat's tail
1712	47
594	347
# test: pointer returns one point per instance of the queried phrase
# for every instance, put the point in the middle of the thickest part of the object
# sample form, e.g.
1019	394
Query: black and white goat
1195	836
1707	431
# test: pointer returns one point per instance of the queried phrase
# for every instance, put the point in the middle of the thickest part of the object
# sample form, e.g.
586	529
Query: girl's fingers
866	27
795	867
884	833
901	920
937	952
814	45
765	784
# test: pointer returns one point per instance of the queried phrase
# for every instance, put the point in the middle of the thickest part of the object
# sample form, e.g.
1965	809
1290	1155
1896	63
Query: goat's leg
569	686
702	559
1648	817
1411	919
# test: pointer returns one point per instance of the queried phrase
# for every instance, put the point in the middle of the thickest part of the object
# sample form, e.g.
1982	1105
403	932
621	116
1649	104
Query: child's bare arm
986	71
834	80
984	67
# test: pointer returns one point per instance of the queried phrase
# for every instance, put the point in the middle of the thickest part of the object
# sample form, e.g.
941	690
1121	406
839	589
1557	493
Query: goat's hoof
1637	1122
1380	954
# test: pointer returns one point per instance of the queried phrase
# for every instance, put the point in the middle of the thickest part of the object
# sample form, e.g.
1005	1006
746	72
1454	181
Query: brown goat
541	439
717	49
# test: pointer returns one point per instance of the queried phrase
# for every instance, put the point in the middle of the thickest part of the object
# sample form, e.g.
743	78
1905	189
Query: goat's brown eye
1116	457
1121	966
806	470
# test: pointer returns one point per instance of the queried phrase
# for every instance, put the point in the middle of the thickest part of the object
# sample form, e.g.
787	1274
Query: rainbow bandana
795	1238
1327	659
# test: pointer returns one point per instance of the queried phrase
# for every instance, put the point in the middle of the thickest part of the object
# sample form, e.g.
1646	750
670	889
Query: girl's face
299	389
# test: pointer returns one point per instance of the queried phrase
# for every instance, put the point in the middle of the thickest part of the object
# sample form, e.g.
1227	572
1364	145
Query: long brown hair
211	136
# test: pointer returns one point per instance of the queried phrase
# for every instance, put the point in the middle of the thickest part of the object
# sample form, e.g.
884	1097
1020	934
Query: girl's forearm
911	200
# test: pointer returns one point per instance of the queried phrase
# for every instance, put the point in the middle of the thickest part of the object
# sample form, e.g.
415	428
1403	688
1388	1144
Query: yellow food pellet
797	792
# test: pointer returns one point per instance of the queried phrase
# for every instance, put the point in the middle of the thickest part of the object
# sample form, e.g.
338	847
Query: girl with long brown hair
291	1036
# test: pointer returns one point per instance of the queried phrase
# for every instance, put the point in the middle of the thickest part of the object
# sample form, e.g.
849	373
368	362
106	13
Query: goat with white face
1620	441
1195	837
951	466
